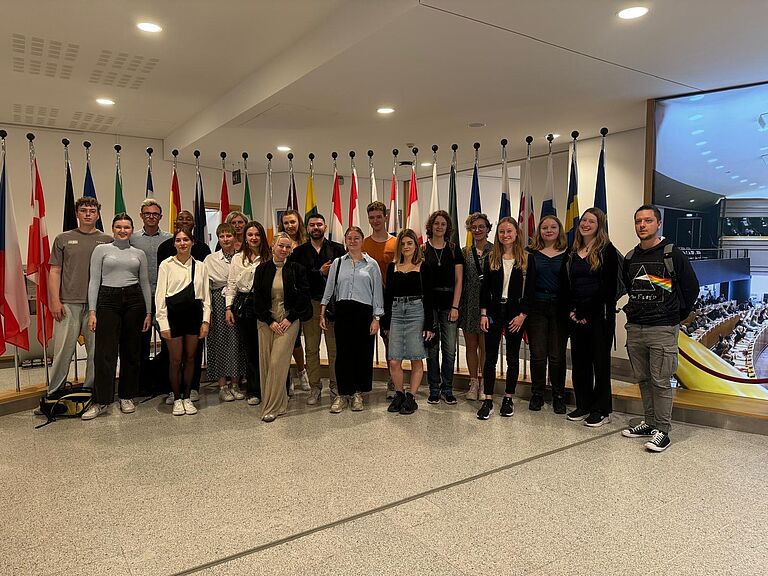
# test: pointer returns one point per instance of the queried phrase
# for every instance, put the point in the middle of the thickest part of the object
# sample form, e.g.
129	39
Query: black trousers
492	341
120	314
547	338
248	333
591	363
354	347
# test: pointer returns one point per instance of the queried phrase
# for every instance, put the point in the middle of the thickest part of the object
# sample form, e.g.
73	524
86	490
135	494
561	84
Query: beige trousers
312	335
274	361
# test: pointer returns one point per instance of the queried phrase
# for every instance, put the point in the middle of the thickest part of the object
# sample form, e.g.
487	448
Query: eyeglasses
151	214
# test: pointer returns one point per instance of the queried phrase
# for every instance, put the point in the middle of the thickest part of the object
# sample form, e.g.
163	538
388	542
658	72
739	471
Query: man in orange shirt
381	247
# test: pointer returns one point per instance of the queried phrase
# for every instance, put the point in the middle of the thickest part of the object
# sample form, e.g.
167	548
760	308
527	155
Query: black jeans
492	341
591	363
120	314
248	332
547	338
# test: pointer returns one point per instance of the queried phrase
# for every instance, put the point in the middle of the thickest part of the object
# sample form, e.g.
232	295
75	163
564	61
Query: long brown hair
417	255
264	253
518	250
601	238
560	244
301	233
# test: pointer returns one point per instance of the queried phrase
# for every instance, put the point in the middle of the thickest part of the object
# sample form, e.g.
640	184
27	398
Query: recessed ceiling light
706	152
696	98
719	167
734	177
105	101
764	148
426	164
149	27
697	132
668	195
691	200
476	124
753	183
711	160
695	117
742	180
688	215
632	13
760	187
701	143
284	148
385	110
555	135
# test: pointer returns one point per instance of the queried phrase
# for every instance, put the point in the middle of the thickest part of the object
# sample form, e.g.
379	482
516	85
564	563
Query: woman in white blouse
183	302
239	303
225	359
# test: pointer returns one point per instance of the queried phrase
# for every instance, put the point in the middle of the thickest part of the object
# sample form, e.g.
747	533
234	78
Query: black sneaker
595	420
450	399
642	430
409	405
535	403
659	442
507	407
577	415
433	399
397	403
558	405
485	410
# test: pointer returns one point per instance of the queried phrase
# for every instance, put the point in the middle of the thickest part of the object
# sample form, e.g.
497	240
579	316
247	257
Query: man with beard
316	256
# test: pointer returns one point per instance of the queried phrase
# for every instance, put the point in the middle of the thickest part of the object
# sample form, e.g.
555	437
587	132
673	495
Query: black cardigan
491	288
603	303
298	305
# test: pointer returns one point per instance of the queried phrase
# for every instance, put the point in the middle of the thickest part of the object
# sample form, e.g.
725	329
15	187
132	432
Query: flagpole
271	222
245	179
290	186
370	174
353	183
38	304
395	152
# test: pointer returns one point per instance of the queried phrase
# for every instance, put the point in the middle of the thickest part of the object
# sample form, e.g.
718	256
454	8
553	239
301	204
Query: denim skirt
405	330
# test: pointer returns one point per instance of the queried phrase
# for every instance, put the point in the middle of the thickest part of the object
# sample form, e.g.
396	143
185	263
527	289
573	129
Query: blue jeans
441	378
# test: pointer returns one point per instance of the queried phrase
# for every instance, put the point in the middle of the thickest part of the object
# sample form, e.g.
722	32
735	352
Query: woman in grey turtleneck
119	305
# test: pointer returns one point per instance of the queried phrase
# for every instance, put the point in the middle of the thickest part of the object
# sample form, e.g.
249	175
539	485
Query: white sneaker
194	395
127	406
254	401
304	381
236	392
93	411
314	396
474	389
189	408
178	408
291	388
170	399
225	395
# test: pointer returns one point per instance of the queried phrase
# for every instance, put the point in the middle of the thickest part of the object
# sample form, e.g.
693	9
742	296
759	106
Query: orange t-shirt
382	252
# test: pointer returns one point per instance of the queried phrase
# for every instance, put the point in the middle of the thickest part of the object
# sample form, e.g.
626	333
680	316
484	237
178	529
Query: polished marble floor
438	492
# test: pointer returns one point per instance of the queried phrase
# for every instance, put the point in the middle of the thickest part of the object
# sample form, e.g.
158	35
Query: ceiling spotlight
284	148
632	13
105	101
667	195
426	164
688	215
691	200
695	117
149	27
385	110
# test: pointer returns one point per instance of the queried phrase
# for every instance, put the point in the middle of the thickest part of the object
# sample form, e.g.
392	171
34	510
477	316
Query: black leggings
249	340
492	341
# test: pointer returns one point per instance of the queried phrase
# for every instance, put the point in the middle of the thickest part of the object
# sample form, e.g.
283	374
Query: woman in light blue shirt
354	285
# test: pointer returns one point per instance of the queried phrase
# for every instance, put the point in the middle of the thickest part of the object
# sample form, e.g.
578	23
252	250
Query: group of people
251	301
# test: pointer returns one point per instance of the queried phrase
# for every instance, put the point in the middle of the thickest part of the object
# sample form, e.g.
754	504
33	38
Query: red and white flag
394	224
354	202
38	259
13	291
526	218
337	228
414	217
224	201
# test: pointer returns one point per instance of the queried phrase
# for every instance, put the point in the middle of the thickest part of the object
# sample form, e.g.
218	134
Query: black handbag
186	296
243	307
330	308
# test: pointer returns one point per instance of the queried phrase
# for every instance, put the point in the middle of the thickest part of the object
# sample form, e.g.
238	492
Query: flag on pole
548	205
505	208
572	214
434	200
600	191
372	177
247	208
354	203
70	215
89	190
14	307
269	211
474	196
310	203
526	219
224	198
119	202
38	258
453	209
393	226
201	221
414	217
175	196
150	192
337	228
293	201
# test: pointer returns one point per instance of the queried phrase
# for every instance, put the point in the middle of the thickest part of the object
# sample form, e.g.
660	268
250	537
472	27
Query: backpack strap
669	264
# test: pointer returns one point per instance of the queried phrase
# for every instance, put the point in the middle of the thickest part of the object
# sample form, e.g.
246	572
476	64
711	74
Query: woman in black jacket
281	300
500	296
591	280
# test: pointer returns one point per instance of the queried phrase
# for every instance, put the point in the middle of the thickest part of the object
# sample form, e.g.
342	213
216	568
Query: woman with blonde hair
592	275
475	256
409	319
547	317
239	221
500	310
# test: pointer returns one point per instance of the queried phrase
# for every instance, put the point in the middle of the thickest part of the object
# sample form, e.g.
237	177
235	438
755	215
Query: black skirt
354	347
185	319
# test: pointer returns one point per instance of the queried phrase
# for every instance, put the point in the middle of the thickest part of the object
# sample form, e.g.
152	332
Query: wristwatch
376	317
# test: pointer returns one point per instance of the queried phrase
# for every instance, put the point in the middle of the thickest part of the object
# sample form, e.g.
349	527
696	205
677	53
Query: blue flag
505	209
600	194
572	214
474	200
150	192
201	222
89	190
